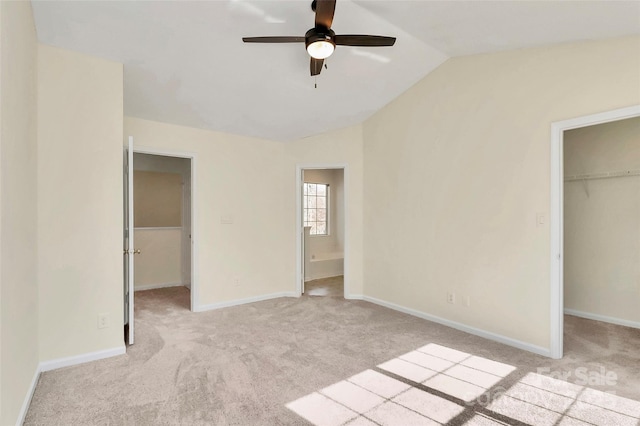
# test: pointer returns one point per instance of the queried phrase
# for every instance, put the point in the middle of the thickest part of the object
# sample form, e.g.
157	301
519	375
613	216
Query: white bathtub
325	265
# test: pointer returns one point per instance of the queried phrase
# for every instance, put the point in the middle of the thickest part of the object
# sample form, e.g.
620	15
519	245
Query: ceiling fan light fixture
319	42
320	49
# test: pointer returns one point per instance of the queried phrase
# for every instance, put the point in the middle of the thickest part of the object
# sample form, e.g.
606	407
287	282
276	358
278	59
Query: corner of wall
18	209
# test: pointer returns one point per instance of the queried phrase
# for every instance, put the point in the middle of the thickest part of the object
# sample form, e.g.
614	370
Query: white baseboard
354	297
59	363
236	302
154	286
27	399
463	327
603	318
81	359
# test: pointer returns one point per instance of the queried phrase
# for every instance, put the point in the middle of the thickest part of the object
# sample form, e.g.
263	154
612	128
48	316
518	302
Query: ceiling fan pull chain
315	82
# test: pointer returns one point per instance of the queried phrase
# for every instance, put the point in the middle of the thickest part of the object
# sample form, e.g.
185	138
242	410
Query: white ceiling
185	63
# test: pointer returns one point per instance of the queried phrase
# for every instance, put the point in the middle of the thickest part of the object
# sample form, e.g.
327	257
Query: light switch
226	219
541	219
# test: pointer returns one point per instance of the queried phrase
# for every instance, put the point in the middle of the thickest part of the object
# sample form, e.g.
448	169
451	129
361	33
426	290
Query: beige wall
608	147
602	221
252	182
239	178
457	168
338	147
18	144
157	199
158	264
80	223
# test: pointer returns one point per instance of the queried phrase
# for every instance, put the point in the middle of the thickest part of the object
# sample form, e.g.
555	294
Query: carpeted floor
334	361
332	287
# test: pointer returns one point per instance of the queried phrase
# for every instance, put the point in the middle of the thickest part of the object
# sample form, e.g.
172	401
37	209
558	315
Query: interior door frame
300	228
195	295
556	214
130	244
186	216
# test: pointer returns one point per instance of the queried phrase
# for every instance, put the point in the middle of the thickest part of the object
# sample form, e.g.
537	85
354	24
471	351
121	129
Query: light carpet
326	360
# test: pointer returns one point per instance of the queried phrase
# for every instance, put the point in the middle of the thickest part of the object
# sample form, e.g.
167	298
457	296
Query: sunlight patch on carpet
436	385
544	400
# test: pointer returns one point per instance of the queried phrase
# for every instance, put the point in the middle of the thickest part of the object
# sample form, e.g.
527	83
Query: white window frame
327	208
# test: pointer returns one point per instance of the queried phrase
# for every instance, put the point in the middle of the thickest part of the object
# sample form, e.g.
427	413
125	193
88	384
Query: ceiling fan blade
273	39
324	13
316	66
363	40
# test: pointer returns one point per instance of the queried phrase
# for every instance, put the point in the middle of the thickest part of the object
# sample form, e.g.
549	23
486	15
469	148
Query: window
315	208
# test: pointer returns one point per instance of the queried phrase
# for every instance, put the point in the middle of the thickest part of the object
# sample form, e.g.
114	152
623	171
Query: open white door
128	241
305	240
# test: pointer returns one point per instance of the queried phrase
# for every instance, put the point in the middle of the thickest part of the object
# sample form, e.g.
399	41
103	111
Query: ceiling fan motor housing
319	34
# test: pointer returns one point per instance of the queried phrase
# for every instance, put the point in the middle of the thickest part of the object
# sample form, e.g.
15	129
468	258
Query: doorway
159	230
162	228
557	222
322	240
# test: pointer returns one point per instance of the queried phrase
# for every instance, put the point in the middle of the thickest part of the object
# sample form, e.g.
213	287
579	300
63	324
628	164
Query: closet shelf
604	175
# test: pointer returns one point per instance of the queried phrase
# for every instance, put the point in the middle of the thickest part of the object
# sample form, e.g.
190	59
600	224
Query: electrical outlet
451	298
104	320
236	282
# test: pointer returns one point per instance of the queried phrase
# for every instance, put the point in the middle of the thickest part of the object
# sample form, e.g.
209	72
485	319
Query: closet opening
595	228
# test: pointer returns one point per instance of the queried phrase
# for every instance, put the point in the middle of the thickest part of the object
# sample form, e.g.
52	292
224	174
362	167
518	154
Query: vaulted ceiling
185	62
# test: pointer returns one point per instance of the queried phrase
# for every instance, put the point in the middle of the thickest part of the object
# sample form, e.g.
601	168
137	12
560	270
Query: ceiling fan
320	40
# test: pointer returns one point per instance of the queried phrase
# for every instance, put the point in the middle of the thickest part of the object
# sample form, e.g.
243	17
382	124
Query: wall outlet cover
451	297
104	320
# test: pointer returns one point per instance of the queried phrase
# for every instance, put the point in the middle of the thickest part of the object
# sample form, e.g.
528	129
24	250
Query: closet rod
604	175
